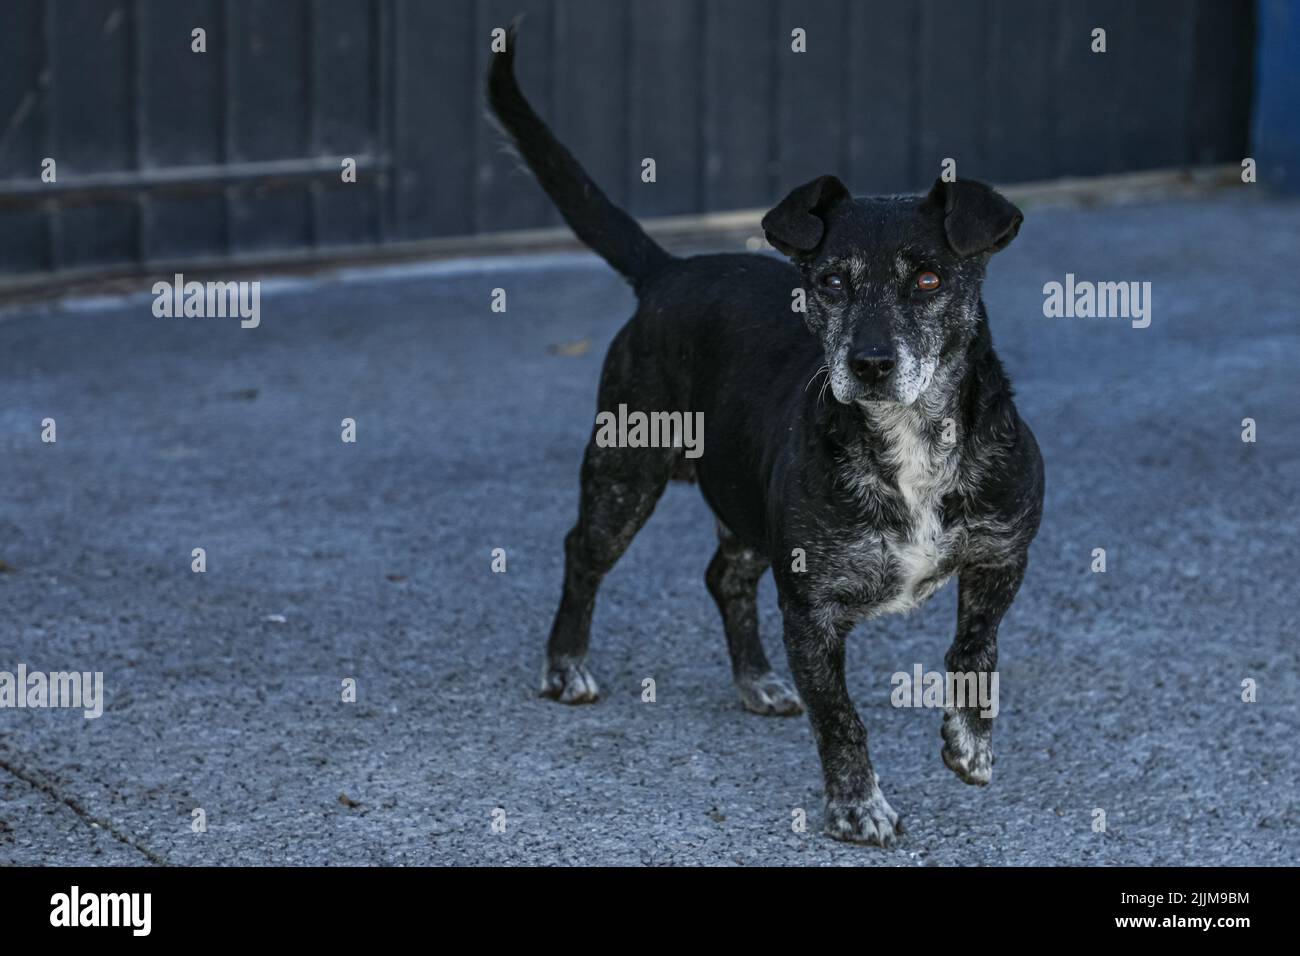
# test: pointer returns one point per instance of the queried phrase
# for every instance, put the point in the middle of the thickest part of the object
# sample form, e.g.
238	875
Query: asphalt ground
1120	692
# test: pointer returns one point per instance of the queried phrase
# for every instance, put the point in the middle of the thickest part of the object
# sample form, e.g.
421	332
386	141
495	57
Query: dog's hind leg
620	487
732	579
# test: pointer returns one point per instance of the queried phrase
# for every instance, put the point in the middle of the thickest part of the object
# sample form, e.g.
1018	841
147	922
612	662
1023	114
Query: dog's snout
871	364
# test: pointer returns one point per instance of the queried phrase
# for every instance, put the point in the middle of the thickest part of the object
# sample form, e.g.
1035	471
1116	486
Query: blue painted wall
1276	128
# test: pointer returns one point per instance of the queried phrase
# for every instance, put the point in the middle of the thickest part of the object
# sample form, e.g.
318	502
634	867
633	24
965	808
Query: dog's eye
833	281
927	282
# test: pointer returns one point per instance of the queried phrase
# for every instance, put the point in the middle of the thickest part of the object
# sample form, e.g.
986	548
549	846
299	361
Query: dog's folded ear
797	223
976	218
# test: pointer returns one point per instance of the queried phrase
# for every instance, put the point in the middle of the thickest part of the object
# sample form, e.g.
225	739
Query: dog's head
892	284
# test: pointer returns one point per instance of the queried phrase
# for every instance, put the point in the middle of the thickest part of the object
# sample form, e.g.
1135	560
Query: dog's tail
595	220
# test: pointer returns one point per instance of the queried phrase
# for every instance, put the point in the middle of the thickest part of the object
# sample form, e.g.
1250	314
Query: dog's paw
868	819
966	752
569	682
769	695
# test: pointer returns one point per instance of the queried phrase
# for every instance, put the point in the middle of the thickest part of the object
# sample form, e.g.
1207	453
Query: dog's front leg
856	810
984	595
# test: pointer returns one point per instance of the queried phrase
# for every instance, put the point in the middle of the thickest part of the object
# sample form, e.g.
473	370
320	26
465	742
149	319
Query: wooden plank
437	118
182	89
881	122
270	41
92	127
1018	141
91	45
1090	85
344	50
22	111
811	92
180	106
1156	52
269	83
664	106
22	97
951	107
1222	79
738	151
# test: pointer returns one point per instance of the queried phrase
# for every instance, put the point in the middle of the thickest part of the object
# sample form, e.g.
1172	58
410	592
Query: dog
916	468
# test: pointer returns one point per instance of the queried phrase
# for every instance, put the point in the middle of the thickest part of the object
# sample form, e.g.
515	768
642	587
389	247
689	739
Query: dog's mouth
903	385
879	396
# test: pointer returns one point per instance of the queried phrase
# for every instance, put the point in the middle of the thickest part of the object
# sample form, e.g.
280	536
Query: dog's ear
976	218
797	223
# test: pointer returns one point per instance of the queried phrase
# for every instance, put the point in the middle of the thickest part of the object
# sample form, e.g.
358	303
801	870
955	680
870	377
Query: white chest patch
925	475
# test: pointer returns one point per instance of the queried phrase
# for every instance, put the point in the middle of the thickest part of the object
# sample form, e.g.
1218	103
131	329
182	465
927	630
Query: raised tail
608	230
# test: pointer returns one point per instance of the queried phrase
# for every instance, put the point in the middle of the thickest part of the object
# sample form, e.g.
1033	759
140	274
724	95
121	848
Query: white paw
966	753
769	695
867	820
569	682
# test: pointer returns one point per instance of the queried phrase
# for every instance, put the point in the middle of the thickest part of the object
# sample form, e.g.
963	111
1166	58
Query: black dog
918	468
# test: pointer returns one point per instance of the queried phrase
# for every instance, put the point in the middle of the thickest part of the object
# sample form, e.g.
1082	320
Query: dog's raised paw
966	753
569	682
866	820
769	695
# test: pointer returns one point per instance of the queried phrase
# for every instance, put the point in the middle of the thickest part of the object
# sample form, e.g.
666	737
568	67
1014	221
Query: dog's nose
872	364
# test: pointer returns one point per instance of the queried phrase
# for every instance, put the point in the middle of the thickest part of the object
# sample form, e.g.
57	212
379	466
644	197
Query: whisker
824	368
